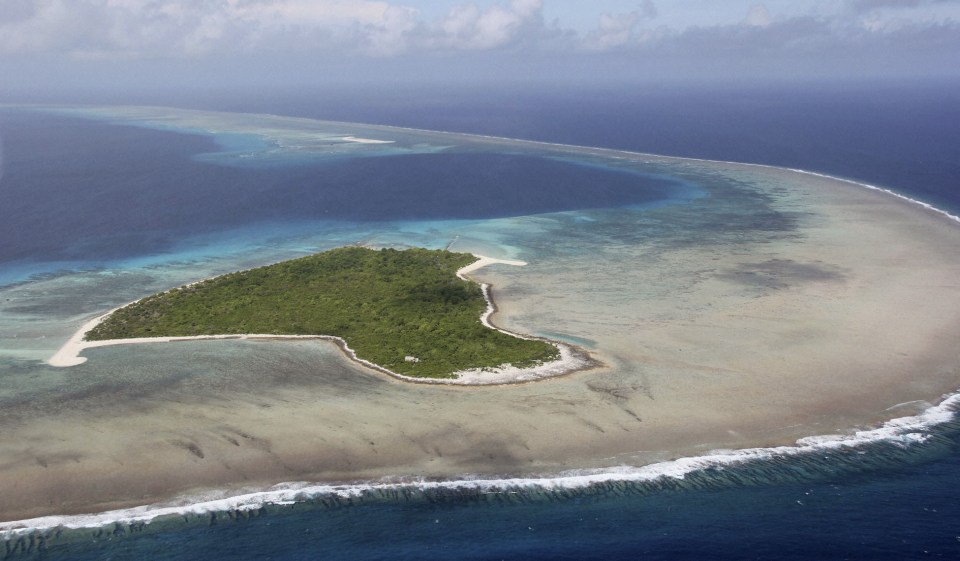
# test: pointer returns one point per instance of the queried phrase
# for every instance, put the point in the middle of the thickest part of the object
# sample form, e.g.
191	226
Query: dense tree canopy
386	304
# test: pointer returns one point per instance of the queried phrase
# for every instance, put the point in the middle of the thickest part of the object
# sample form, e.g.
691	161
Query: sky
76	44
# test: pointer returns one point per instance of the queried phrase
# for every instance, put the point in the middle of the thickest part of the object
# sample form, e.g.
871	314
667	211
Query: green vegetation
387	305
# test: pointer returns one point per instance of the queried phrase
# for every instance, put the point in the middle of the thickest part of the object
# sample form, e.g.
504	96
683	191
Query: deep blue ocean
899	136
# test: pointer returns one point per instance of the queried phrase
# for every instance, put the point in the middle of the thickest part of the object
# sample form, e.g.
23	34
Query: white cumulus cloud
917	32
192	27
759	16
616	30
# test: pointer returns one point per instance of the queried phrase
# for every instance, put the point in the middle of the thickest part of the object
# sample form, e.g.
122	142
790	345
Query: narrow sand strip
570	360
69	353
483	261
367	140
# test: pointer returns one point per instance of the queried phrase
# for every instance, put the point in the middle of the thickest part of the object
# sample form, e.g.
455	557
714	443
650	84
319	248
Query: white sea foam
927	206
904	431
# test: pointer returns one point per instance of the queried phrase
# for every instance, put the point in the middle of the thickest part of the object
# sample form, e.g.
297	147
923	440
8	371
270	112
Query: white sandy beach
366	140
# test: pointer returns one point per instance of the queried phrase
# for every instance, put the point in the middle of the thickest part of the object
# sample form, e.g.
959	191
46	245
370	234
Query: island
410	313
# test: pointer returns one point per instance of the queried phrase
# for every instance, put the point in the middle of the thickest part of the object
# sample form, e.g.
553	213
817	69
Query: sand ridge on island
571	359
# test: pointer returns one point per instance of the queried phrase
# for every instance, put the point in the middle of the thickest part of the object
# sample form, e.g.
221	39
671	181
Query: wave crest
897	442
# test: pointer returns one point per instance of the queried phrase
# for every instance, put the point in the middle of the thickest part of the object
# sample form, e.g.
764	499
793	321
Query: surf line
571	358
902	432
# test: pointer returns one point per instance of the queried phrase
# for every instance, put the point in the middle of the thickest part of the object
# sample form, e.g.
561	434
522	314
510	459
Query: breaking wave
898	442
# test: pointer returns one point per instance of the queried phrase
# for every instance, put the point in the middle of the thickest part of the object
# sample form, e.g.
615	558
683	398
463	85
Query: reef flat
740	307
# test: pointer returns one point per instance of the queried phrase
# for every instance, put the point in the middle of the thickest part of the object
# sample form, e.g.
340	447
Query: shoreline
571	358
903	431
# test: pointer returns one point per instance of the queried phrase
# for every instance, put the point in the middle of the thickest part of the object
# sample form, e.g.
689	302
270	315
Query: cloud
190	28
200	31
468	27
152	28
617	30
871	5
648	9
494	27
613	31
884	16
811	46
16	10
758	16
